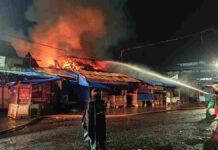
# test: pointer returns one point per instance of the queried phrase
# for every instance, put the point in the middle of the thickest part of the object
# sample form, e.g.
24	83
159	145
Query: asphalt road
176	130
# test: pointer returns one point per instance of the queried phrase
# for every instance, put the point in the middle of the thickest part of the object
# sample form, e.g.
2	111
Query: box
18	111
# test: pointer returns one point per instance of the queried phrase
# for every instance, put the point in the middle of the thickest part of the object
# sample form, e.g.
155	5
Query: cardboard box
18	111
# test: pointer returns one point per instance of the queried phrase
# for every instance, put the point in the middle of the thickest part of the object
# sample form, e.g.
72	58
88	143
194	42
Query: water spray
146	72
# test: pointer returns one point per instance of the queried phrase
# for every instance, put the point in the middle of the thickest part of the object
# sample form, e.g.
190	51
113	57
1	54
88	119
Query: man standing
94	122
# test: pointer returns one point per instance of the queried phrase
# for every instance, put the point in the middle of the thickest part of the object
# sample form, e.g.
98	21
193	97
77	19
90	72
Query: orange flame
79	64
72	33
51	62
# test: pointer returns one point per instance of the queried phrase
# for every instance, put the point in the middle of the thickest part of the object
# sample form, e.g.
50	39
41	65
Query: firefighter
93	121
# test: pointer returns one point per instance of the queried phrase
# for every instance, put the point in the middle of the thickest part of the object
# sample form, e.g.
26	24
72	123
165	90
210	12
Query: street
176	130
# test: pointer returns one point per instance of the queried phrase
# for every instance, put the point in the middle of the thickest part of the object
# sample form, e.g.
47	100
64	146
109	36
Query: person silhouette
93	121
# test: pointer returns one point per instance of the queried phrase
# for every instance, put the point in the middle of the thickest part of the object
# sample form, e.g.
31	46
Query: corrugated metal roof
111	78
31	73
56	72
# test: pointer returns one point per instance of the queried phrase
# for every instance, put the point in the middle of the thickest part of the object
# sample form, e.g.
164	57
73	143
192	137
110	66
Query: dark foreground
177	130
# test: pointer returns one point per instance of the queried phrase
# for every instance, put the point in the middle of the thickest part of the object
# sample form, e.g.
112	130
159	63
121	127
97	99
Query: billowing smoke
80	28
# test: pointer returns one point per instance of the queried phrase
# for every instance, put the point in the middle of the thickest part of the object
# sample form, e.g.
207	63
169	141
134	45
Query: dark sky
155	20
152	21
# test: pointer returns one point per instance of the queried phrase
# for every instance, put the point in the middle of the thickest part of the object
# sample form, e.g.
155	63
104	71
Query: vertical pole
30	99
136	97
125	98
188	96
2	97
101	95
179	95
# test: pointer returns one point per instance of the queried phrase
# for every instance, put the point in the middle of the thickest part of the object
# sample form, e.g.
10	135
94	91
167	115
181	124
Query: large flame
71	33
81	64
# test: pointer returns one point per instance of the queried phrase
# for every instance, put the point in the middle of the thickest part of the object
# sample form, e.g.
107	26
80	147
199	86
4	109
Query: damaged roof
107	78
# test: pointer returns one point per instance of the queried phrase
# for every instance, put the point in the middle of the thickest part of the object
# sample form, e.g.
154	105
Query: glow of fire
146	72
71	34
51	62
77	64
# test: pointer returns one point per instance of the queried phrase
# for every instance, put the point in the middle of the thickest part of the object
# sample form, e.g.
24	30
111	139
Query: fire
51	62
66	65
103	65
71	32
80	64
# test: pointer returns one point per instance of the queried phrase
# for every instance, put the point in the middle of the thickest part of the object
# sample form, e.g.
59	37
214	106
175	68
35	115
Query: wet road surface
177	130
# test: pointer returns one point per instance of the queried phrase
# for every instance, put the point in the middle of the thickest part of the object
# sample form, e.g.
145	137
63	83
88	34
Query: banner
2	61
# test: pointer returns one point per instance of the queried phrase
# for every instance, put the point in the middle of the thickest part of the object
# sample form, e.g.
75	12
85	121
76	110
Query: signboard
23	110
24	95
2	61
202	98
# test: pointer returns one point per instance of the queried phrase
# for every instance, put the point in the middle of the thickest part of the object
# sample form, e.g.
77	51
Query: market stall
30	98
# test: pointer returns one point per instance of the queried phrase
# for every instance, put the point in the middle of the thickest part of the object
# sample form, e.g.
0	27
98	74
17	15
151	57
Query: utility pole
124	50
121	54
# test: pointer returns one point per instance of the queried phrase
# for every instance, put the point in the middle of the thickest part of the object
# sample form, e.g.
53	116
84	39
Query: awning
40	80
93	84
205	85
143	96
10	84
98	85
32	74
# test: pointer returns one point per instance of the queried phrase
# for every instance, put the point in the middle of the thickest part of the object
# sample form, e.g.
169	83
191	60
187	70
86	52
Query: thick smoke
79	28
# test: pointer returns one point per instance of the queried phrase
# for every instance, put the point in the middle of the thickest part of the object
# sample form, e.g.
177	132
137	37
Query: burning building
90	73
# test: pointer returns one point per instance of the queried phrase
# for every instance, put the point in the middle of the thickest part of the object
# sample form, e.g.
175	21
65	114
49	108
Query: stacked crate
117	101
19	101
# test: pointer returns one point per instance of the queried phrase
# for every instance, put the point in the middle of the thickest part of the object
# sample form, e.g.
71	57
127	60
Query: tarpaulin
143	96
98	85
83	81
35	74
40	80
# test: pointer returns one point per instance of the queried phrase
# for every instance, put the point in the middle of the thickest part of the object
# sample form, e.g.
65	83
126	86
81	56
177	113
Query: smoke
79	28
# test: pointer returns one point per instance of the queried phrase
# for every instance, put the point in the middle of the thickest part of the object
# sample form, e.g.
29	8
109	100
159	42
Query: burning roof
79	64
94	71
107	78
57	72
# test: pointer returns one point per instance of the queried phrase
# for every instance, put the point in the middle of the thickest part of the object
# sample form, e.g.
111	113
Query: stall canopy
144	96
98	85
41	80
31	74
207	85
93	84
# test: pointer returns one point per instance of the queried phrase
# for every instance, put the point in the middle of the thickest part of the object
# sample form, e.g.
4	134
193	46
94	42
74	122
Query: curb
124	115
33	121
20	126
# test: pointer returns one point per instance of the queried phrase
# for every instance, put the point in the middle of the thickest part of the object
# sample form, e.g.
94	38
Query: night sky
154	21
150	22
